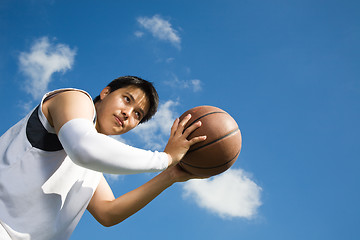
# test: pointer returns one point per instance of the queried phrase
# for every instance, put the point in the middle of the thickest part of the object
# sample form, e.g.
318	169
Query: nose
125	115
126	112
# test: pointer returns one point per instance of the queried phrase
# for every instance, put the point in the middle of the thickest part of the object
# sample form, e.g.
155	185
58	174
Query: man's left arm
110	211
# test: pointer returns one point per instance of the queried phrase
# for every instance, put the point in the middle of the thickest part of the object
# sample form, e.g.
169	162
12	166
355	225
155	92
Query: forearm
131	202
89	149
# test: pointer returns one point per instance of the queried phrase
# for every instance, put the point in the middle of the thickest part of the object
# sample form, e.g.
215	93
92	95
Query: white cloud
169	60
160	29
195	84
39	64
139	34
114	177
231	194
155	132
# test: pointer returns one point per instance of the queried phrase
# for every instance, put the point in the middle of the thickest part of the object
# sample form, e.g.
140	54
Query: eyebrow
133	100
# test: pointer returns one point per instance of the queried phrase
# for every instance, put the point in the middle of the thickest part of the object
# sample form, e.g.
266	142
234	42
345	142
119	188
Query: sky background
287	71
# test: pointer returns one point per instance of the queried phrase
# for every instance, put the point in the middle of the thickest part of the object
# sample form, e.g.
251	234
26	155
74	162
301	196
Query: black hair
146	86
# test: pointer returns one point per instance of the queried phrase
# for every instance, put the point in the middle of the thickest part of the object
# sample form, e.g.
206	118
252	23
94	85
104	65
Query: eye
127	99
138	115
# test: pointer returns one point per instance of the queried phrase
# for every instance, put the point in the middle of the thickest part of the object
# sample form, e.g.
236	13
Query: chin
107	131
117	131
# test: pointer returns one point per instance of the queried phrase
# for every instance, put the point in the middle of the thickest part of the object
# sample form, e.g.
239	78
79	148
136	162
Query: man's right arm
71	113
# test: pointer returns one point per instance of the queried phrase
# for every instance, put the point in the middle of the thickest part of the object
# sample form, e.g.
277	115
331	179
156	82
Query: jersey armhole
52	94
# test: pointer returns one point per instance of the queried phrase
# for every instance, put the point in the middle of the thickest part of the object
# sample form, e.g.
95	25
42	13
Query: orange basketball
220	149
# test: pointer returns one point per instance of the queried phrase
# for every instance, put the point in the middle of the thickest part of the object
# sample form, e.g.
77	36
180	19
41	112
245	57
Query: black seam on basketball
237	154
230	133
202	117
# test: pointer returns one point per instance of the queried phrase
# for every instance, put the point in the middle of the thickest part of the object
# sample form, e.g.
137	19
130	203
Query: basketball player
52	161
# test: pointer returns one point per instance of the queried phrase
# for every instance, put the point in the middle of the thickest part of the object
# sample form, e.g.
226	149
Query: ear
104	93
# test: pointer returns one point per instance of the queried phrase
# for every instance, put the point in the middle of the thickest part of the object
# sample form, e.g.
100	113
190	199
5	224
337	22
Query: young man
52	161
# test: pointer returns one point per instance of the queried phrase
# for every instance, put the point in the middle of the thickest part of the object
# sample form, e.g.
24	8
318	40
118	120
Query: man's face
121	110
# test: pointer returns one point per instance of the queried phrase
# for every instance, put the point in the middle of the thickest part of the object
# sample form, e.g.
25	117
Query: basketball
220	149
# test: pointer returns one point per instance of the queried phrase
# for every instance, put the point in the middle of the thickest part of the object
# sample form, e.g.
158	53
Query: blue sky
287	71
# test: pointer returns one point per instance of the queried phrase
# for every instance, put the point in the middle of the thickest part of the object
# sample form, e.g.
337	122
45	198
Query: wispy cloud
139	34
114	177
229	195
160	29
194	84
41	62
155	132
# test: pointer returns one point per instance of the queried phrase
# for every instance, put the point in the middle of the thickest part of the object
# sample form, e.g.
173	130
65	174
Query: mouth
119	121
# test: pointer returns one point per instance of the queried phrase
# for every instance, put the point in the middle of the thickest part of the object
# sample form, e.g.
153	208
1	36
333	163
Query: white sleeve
90	149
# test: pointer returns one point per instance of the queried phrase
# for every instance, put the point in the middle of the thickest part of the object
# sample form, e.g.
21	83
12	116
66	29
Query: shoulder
66	92
63	106
67	98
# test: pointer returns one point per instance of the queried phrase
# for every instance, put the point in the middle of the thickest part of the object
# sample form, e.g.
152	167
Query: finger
197	140
183	123
192	128
174	127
